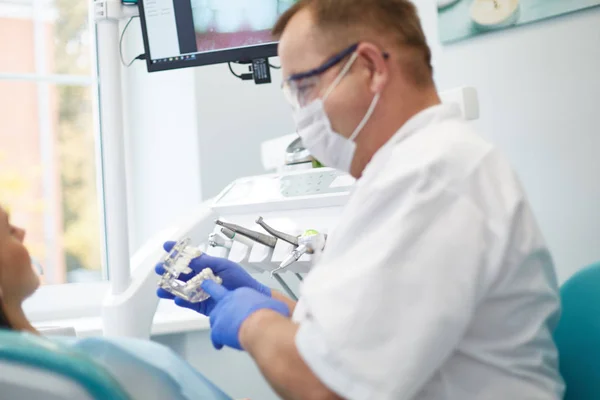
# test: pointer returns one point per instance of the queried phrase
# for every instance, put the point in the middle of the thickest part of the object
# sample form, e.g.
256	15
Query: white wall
539	90
234	118
196	130
539	87
162	143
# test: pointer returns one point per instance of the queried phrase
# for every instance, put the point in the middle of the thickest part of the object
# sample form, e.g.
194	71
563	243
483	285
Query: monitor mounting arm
107	14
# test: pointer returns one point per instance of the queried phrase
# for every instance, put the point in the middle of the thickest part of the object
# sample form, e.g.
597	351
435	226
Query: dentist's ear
376	62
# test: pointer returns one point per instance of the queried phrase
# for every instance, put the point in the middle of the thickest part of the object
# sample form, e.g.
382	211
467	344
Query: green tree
72	46
16	184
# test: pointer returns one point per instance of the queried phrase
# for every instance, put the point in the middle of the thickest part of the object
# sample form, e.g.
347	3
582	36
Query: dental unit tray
177	263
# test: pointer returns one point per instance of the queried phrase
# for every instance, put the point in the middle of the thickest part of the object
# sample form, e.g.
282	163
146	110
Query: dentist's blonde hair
344	22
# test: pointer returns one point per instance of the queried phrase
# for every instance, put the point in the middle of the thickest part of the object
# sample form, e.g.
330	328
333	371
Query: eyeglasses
300	89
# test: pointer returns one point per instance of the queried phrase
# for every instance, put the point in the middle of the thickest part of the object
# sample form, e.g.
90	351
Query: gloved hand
233	308
233	276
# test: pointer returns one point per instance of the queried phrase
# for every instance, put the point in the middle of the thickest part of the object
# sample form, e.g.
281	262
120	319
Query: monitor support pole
107	14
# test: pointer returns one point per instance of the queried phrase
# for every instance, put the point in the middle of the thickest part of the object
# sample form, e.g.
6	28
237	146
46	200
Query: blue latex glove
233	308
233	276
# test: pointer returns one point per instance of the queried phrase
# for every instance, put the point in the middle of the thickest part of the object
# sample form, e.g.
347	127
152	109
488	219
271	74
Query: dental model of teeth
177	263
205	275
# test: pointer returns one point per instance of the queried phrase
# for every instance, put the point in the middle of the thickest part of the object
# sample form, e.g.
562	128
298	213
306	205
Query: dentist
437	283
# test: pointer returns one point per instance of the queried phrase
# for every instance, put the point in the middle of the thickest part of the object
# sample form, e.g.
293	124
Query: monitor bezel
240	54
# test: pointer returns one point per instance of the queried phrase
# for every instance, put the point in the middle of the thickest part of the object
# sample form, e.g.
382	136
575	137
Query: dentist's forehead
301	46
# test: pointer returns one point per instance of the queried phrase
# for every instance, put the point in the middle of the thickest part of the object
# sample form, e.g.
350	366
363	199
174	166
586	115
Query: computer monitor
189	33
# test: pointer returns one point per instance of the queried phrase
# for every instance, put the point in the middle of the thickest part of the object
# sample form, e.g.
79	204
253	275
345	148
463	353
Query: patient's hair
4	324
351	20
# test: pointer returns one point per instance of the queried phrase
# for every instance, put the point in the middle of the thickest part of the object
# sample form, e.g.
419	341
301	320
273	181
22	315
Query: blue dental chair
36	368
578	335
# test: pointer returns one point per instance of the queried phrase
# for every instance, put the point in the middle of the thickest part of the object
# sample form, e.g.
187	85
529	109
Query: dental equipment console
269	223
179	258
300	206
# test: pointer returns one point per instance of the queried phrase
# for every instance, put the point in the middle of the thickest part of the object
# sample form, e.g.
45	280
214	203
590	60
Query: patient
18	280
129	361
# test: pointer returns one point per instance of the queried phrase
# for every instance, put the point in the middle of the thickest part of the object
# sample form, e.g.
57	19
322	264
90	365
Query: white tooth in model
491	14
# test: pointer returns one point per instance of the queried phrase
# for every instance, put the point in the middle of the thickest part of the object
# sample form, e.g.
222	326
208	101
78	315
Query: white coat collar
418	122
423	119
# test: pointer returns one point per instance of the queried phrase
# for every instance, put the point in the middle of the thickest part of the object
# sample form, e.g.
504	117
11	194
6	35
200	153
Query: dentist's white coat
437	283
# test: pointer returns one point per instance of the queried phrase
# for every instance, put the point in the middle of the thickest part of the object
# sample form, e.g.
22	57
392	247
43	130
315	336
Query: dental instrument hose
285	287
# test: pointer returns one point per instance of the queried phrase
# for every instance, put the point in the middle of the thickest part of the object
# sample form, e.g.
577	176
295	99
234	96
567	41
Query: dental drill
243	235
216	240
310	242
231	235
261	238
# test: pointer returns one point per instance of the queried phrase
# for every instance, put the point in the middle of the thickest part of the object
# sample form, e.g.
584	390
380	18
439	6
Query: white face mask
314	128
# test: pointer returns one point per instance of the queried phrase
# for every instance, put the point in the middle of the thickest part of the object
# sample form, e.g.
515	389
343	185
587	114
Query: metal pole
113	151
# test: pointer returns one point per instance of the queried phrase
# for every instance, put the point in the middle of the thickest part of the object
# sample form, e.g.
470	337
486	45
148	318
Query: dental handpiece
248	239
231	235
291	258
293	240
308	243
261	238
216	240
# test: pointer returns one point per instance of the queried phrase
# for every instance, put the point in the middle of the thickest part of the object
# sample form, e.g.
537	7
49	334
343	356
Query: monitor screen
187	33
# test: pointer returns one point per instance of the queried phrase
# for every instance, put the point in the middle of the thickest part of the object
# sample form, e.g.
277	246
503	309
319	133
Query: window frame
68	300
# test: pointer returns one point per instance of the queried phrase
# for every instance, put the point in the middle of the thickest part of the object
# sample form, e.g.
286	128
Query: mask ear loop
341	75
366	119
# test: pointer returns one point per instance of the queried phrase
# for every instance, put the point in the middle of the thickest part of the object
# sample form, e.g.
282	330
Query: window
48	134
